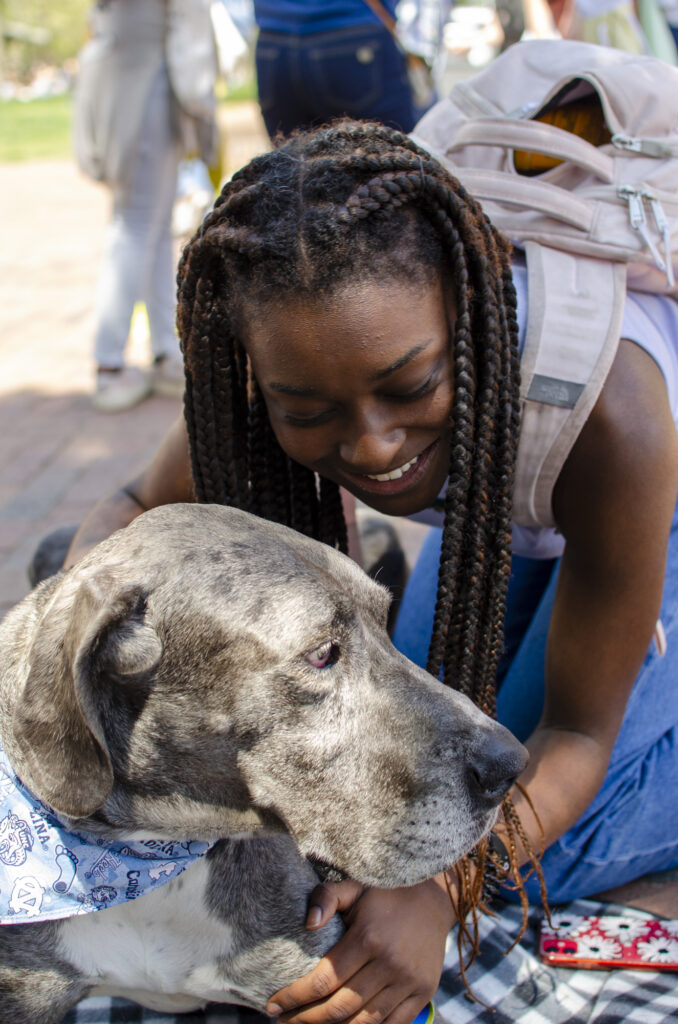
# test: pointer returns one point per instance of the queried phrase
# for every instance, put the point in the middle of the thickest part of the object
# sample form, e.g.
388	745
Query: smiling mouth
396	480
394	474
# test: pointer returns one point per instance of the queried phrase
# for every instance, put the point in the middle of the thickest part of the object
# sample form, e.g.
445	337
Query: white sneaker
167	376
117	390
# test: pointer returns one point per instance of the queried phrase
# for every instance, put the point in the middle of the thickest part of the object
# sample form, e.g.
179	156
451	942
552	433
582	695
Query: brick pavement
57	455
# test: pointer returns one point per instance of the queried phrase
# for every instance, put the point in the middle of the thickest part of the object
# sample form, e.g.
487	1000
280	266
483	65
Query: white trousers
138	263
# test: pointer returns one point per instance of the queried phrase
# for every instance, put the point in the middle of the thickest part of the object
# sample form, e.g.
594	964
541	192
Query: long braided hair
322	210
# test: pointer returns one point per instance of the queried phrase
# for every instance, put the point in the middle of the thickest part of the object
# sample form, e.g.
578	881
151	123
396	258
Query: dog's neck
66	872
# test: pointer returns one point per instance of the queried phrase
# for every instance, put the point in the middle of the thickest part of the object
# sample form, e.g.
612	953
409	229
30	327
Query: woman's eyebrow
399	363
292	389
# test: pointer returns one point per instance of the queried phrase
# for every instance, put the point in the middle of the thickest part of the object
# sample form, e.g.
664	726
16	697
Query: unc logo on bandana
99	897
65	873
26	896
16	840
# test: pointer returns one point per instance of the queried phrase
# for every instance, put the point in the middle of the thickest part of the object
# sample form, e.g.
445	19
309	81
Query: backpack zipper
635	197
647	147
665	231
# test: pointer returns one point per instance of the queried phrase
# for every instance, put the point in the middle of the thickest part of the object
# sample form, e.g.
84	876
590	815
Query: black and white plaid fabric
515	987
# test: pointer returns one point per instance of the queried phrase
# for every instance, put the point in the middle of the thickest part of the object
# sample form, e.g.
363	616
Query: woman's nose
371	444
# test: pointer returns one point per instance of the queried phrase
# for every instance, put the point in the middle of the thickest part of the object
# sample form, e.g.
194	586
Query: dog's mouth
327	872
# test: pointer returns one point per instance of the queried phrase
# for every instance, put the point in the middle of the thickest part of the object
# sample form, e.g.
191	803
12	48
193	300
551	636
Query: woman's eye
306	421
323	656
412	396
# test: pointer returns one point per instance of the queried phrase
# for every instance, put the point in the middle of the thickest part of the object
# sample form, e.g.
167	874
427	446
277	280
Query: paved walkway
57	455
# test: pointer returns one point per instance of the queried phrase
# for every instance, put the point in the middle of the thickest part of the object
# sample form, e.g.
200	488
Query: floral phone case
634	943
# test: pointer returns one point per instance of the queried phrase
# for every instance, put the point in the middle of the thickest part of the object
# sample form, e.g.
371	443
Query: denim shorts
311	79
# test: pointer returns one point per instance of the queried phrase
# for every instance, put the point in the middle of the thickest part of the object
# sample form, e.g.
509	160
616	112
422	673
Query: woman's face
359	388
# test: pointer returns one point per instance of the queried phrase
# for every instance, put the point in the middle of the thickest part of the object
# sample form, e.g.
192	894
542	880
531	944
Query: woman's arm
614	502
167	479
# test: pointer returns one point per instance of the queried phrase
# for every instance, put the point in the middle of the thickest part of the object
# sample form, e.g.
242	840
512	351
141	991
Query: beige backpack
572	149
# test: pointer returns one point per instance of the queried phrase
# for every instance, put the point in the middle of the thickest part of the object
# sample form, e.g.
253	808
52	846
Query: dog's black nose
496	764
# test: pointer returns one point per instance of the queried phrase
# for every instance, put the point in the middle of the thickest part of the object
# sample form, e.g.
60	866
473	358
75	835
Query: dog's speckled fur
163	688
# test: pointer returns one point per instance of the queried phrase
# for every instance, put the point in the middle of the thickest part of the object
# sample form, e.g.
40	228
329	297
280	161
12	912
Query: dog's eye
324	655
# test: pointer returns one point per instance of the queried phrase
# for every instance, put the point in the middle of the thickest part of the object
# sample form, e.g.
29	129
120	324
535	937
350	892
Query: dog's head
204	673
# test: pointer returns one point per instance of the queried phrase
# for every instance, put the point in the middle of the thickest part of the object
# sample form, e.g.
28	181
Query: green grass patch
246	90
41	129
36	129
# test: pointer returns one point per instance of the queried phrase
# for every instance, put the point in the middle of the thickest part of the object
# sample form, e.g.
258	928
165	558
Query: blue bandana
48	872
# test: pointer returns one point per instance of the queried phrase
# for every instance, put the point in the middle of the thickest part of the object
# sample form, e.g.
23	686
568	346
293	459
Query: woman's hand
388	964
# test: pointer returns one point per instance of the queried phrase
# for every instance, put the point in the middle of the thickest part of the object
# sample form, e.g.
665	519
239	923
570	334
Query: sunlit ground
57	455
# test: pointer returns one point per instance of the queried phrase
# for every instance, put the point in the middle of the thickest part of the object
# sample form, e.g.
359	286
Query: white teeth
395	474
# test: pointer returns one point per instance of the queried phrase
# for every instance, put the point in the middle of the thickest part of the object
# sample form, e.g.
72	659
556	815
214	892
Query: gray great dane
204	676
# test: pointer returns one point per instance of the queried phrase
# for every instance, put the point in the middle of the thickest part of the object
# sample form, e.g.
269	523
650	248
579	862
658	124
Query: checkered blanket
514	987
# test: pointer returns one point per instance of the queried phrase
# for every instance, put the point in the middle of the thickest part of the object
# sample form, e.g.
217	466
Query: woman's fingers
348	1003
330	973
329	898
351	1004
387	964
350	983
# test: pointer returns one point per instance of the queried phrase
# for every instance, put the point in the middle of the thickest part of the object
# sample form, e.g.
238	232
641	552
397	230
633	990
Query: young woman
349	320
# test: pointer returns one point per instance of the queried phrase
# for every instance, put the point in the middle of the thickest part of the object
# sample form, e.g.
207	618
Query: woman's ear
91	626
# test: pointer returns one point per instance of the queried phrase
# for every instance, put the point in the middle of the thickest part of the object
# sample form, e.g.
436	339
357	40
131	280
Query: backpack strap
575	309
535	137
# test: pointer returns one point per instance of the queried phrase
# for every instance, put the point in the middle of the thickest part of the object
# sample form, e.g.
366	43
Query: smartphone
635	942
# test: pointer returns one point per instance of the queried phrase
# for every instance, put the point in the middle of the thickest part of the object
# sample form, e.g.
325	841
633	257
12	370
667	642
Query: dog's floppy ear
91	627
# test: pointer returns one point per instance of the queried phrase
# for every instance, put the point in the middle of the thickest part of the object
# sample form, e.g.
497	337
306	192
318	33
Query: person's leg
141	214
117	289
139	261
528	583
358	72
630	829
520	697
282	97
156	192
412	633
50	553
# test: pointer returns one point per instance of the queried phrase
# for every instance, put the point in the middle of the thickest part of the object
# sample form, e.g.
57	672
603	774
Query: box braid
350	201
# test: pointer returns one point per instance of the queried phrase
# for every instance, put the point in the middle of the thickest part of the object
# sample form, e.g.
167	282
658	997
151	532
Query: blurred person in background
144	98
637	26
670	8
320	59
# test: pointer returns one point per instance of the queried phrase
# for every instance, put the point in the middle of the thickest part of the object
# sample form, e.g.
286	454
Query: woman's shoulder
626	455
650	320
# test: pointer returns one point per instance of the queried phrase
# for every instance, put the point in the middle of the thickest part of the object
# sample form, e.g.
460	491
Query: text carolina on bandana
48	872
